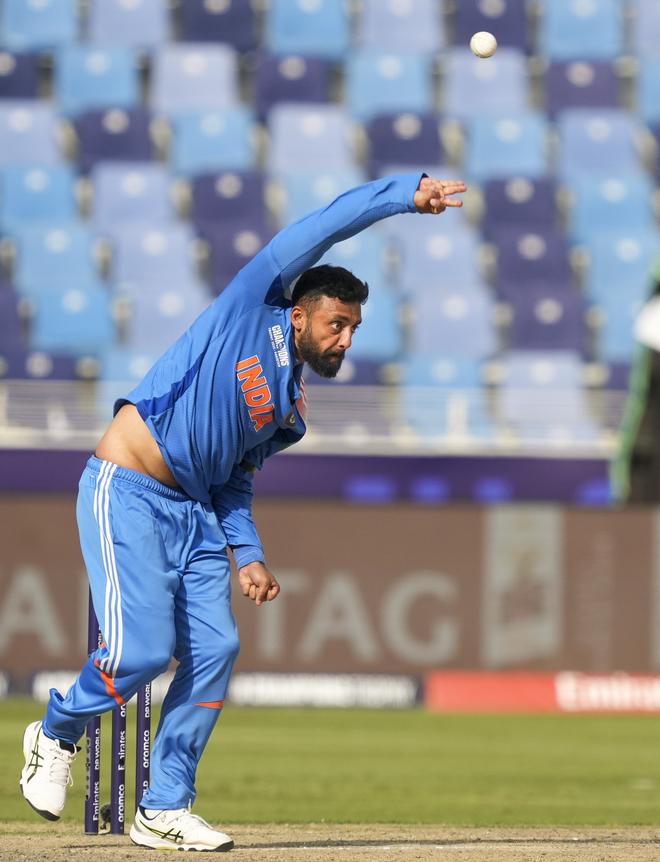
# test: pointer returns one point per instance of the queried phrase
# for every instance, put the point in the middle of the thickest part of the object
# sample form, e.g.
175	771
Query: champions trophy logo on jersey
256	391
278	344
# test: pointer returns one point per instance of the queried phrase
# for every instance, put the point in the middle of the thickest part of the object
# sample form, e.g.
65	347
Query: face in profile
324	331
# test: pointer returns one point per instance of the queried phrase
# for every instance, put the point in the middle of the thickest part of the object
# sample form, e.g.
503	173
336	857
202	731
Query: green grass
296	766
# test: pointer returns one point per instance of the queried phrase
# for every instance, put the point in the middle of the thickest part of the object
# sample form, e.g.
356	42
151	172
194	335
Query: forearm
233	507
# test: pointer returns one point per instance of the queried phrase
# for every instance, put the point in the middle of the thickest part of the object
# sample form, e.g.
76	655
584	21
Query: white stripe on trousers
113	628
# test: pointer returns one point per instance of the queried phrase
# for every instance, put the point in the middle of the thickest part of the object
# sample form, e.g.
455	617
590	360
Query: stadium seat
289	78
313	28
115	134
121	369
193	77
433	253
458	320
525	256
219	21
36	194
473	87
647	90
19	362
231	246
415	26
308	190
379	337
53	255
26	25
142	253
592	140
28	133
213	141
158	315
228	196
306	138
607	204
542	398
519	202
544	319
366	255
620	262
124	192
506	145
615	335
581	84
88	77
581	29
645	27
140	24
19	75
378	82
506	18
10	326
72	320
442	395
411	139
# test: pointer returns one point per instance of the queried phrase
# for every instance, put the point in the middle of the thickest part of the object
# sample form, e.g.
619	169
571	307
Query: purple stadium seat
290	79
231	246
117	134
507	19
581	84
10	326
232	196
525	256
219	21
519	202
356	371
411	139
19	75
548	320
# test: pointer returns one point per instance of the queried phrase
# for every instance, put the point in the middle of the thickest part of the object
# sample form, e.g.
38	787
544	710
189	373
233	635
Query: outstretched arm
303	243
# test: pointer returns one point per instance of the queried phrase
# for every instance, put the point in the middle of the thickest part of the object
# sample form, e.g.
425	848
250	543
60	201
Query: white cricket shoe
47	772
177	829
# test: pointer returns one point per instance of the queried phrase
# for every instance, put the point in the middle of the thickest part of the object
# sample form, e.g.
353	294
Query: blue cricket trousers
160	581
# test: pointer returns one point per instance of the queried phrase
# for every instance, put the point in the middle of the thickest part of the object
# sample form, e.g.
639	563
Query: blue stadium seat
379	337
366	255
620	262
140	24
506	18
36	194
506	145
308	190
213	141
581	29
125	192
519	202
88	77
645	29
158	314
414	26
610	204
459	320
231	246
26	25
526	256
581	84
542	398
121	369
378	82
615	335
592	140
54	255
189	77
309	138
115	134
289	78
72	320
219	21
472	86
409	138
142	253
647	90
28	133
19	75
228	196
433	253
313	28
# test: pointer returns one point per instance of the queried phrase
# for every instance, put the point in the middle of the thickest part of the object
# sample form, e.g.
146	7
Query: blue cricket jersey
227	392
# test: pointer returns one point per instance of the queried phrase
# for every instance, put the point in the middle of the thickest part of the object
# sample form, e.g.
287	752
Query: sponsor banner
567	691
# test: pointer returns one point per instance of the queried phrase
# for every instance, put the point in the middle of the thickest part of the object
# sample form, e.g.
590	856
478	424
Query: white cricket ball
483	44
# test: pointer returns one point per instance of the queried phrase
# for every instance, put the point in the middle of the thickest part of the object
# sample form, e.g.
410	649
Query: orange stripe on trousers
109	684
212	704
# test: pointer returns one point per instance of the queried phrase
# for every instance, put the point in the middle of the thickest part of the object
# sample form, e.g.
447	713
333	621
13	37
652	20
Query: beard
326	363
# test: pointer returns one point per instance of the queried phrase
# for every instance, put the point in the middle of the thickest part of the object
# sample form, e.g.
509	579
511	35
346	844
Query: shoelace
59	767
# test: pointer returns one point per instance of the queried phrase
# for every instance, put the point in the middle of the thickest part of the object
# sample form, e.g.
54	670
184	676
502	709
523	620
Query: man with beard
169	489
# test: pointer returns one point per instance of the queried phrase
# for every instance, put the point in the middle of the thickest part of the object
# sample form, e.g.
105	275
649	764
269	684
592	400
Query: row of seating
558	29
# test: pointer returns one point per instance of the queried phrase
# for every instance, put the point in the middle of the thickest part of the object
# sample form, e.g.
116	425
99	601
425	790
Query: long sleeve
233	506
303	243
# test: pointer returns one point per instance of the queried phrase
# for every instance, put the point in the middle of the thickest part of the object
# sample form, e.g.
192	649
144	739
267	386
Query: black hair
333	281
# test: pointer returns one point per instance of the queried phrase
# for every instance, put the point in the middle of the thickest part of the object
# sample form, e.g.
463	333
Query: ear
298	318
